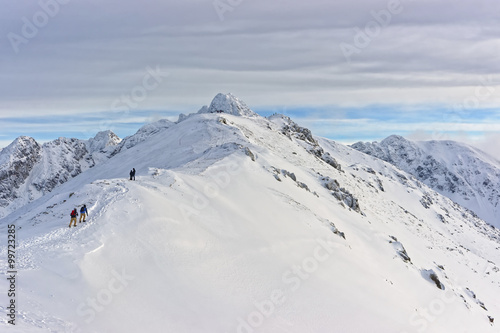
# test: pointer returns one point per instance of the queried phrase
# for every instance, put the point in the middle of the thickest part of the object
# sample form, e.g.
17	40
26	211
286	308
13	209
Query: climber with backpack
83	213
73	215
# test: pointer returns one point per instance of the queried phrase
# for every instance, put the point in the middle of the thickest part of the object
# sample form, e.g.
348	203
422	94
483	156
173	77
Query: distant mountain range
463	173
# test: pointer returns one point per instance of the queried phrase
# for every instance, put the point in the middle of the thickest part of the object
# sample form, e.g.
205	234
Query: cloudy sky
349	70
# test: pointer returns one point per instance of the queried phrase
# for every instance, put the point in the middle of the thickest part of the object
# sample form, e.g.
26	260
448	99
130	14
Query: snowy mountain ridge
463	173
42	161
239	223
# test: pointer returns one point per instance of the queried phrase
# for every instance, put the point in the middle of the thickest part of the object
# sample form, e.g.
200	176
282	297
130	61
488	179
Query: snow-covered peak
23	141
465	174
16	162
155	127
183	117
230	104
102	140
203	109
17	147
281	120
144	133
394	139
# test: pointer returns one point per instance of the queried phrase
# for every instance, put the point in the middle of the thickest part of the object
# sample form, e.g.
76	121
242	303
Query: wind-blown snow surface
242	224
456	170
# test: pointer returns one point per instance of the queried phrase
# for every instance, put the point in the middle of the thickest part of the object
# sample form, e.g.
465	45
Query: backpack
73	213
82	209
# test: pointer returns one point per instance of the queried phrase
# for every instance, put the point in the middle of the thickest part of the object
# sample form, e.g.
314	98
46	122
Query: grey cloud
92	51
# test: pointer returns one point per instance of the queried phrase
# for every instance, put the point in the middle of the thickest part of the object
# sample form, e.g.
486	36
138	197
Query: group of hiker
83	210
74	214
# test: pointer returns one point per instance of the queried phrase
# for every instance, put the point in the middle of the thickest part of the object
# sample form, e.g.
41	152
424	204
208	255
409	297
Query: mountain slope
466	175
244	224
16	162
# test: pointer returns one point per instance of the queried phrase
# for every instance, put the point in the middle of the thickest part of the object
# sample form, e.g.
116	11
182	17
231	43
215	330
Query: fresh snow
230	227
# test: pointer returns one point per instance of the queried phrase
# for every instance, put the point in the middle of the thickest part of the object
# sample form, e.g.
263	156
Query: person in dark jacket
131	174
73	215
83	213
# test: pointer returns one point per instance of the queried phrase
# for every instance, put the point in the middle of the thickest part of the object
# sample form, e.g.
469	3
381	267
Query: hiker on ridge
73	215
83	213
